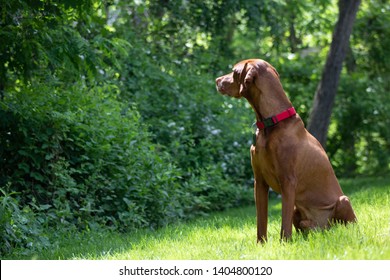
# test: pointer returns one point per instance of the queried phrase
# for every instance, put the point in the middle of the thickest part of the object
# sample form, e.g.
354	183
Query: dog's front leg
261	198
288	201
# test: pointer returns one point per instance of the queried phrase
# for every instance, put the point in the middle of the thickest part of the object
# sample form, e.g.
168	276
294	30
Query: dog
285	156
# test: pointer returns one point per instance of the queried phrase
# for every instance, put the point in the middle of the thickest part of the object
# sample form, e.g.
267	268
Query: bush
187	117
358	138
88	156
19	226
82	158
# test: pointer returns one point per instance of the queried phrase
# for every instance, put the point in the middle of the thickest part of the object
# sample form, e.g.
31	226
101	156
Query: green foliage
20	226
88	147
184	113
86	159
36	38
359	142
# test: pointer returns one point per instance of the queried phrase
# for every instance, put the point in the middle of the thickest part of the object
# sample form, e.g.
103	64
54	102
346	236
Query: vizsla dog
285	156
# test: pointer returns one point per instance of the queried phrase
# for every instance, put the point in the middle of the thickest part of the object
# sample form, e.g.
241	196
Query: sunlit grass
232	235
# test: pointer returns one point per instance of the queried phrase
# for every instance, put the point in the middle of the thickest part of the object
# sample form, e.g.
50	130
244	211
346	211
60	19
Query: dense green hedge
78	157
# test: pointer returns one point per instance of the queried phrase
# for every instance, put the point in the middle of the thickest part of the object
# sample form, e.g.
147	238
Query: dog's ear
246	78
276	72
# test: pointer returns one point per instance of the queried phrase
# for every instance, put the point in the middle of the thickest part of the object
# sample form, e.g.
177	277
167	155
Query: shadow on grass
105	244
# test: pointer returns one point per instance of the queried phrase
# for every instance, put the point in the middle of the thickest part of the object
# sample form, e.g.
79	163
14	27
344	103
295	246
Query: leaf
37	176
24	166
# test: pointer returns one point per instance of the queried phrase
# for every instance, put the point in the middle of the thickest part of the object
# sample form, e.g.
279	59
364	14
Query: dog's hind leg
343	212
302	224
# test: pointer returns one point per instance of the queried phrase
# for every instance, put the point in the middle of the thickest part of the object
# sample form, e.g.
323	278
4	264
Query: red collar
271	121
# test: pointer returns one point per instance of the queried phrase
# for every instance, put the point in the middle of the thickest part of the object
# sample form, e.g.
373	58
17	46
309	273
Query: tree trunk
293	39
326	91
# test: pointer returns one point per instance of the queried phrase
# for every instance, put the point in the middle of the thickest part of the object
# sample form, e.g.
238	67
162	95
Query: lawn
232	235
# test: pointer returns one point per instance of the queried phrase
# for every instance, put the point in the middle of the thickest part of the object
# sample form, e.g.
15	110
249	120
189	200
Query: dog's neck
267	103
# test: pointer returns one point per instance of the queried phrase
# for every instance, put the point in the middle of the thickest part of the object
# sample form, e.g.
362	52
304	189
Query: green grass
232	235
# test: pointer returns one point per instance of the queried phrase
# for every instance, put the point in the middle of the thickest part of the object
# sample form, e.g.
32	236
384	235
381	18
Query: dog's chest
263	162
259	140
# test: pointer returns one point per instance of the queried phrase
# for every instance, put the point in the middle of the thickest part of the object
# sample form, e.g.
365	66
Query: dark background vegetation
109	117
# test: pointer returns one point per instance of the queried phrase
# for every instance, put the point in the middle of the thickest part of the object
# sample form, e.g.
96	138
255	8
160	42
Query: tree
59	38
327	88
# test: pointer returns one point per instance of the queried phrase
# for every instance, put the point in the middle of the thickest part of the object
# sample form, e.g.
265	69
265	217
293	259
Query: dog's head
246	75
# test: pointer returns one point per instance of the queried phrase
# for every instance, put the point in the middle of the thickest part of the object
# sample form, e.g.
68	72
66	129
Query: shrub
19	226
85	155
78	158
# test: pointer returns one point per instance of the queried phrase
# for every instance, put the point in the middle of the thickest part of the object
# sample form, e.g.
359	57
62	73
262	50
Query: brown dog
286	157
